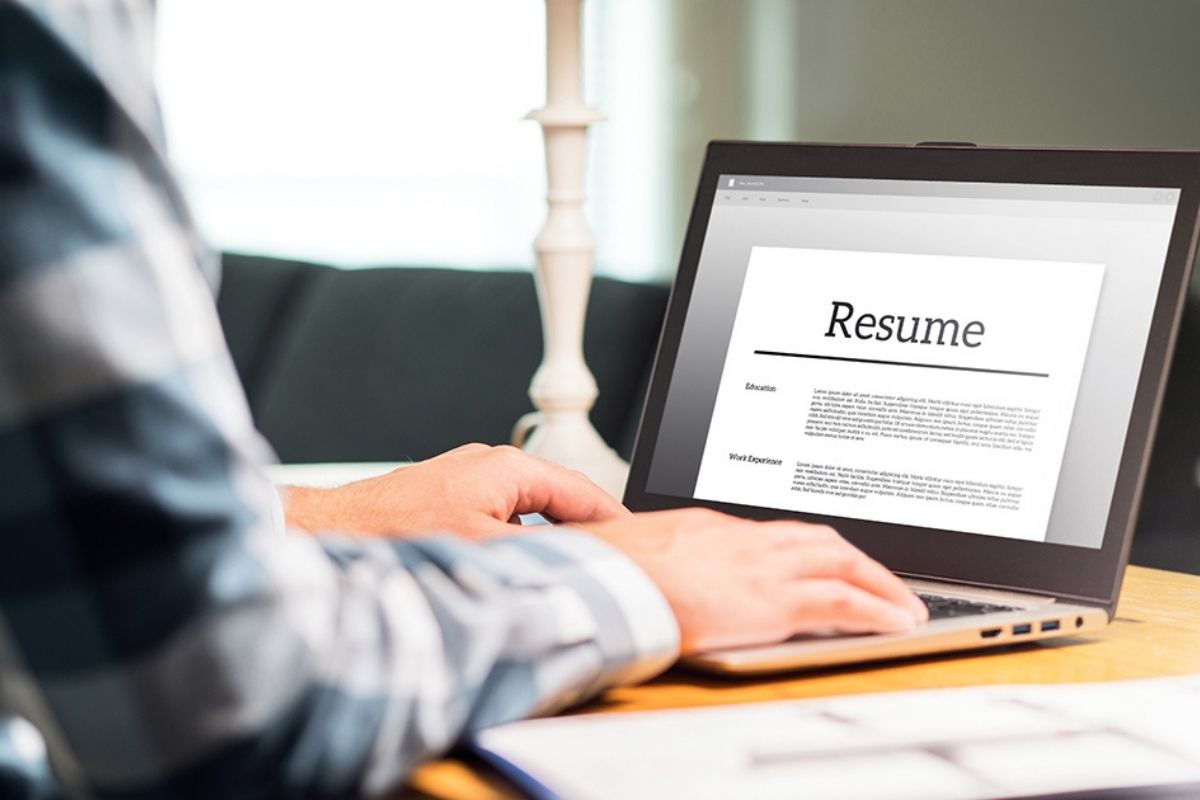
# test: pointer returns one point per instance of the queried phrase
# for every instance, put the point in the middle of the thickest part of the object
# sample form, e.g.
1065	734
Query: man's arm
155	624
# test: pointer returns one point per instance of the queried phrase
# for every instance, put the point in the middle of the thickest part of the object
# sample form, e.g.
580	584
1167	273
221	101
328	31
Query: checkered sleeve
157	628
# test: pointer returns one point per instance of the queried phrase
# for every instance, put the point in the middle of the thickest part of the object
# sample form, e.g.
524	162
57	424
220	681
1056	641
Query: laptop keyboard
945	607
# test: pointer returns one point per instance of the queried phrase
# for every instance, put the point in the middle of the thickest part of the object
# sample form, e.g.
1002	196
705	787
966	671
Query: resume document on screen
926	390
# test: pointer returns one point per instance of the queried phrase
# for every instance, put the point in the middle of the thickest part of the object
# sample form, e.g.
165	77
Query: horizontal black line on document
1017	372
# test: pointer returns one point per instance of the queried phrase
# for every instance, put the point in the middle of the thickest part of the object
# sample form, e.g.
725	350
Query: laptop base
1033	619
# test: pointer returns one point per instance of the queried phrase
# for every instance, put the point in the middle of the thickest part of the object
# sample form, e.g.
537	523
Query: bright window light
363	132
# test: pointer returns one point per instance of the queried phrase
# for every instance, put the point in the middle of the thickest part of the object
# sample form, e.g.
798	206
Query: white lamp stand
563	389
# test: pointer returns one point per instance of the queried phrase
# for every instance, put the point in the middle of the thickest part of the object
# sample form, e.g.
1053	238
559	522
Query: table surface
1156	633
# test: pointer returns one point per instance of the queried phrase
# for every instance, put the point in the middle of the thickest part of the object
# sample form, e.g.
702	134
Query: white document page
934	391
951	744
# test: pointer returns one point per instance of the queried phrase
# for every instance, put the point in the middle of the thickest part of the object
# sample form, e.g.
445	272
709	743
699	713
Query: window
364	132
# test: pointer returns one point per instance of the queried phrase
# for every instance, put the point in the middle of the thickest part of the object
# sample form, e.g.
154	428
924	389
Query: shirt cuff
634	626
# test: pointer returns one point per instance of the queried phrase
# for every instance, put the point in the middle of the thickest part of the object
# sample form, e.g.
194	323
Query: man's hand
475	491
732	582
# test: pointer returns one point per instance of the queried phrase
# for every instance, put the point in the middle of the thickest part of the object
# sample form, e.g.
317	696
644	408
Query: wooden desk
1156	633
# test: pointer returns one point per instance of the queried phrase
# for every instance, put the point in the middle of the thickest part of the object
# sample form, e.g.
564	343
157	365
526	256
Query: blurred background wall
1095	73
374	131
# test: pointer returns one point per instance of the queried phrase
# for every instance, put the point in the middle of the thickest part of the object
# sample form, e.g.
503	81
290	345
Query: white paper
822	408
929	744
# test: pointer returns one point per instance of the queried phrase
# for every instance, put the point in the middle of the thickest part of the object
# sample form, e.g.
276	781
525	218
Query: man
162	630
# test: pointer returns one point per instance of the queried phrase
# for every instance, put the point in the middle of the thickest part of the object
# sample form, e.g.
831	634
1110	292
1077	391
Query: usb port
1021	629
1050	625
990	633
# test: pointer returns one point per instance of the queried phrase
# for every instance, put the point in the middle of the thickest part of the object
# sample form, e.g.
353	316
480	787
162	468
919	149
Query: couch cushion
256	301
395	364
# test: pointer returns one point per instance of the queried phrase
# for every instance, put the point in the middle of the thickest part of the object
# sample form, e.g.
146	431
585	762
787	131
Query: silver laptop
954	355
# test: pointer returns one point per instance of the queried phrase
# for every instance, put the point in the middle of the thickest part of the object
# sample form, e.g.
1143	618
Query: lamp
563	389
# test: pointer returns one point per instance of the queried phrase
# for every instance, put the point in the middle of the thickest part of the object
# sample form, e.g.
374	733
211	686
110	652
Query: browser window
954	356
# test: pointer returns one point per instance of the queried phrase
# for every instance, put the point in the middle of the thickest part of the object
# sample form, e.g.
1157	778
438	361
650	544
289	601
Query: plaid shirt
158	627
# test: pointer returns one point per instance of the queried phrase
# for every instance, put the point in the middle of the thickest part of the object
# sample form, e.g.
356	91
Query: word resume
927	390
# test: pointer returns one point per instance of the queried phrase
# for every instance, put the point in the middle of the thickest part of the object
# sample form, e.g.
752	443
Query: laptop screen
954	356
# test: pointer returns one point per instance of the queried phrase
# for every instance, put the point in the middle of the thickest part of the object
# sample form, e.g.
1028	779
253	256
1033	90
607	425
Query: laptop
952	354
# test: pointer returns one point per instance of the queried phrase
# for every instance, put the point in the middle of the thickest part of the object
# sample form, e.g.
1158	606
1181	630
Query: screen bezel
1082	574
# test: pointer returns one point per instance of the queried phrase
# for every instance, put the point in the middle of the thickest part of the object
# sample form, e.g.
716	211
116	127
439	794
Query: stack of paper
961	744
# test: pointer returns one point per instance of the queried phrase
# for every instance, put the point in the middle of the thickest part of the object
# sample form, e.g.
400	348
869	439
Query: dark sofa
400	364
